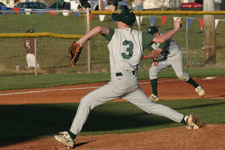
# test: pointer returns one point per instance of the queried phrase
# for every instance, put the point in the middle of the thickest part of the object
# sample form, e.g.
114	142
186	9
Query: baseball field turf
25	122
22	123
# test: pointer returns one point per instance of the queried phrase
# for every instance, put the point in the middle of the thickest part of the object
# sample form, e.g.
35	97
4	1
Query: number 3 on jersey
129	50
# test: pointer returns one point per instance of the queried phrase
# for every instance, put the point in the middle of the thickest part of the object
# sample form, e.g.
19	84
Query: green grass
52	52
24	122
42	23
10	81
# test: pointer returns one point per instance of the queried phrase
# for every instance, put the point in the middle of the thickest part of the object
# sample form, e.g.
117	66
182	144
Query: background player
171	56
125	49
29	45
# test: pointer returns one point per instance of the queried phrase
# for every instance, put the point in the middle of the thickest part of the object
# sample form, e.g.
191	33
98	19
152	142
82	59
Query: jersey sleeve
146	40
108	37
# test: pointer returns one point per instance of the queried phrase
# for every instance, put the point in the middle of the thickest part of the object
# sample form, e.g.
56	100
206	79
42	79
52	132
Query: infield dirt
210	137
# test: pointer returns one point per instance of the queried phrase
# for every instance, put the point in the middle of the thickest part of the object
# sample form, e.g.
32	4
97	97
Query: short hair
30	31
152	30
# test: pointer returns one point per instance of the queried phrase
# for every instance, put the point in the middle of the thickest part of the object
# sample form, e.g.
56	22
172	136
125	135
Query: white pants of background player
31	61
126	87
177	63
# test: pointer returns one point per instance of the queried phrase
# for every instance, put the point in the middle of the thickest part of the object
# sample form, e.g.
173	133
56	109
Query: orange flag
201	22
163	20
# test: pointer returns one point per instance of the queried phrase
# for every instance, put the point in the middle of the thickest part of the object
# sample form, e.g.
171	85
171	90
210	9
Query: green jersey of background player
171	56
125	49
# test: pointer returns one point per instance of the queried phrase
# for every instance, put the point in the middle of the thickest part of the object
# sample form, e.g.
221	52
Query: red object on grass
201	22
16	10
163	19
52	12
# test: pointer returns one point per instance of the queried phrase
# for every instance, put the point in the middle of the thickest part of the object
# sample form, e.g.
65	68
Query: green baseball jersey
169	48
126	48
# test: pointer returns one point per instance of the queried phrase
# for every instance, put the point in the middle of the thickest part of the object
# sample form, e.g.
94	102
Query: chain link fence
52	51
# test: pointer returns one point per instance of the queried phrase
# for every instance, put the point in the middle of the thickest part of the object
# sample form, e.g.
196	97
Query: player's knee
184	77
86	105
153	73
85	101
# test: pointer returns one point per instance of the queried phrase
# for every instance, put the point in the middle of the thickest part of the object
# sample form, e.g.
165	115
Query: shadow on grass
20	123
25	122
200	106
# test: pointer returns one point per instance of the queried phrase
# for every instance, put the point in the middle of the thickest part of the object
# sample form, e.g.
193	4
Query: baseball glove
74	53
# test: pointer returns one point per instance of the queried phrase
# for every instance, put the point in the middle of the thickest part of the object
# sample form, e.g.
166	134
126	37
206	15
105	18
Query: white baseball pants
126	87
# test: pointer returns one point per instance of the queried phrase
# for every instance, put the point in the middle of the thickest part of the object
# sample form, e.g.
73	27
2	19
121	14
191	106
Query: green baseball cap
126	16
152	30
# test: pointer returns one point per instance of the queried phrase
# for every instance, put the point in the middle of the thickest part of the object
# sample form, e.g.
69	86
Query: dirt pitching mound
211	136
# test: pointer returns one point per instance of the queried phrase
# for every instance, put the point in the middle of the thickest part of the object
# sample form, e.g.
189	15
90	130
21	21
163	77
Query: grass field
12	51
30	121
10	81
24	122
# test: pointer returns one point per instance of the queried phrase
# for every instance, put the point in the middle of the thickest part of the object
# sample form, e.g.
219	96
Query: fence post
209	34
187	61
35	54
88	42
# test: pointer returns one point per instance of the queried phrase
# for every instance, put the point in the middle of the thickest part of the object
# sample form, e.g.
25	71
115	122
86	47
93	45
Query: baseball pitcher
125	49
